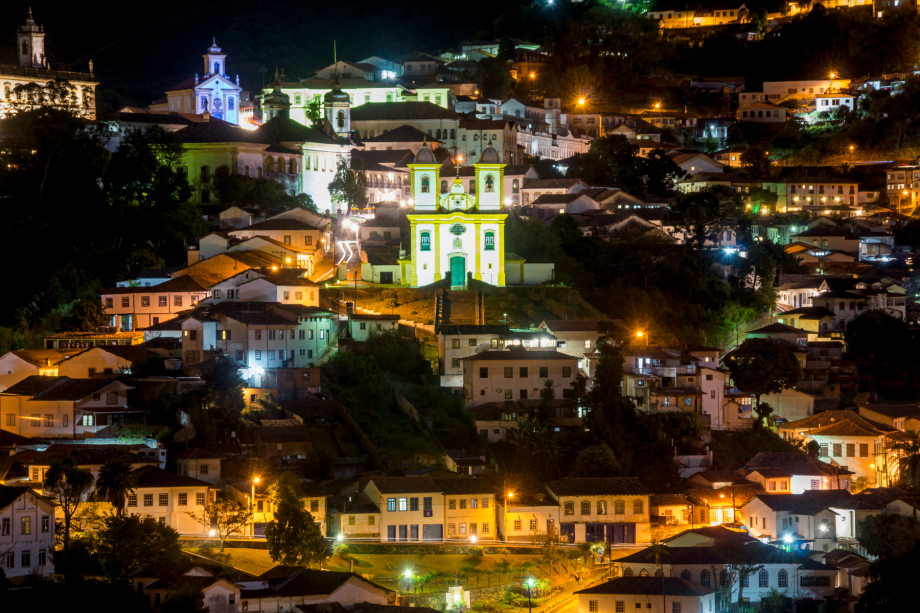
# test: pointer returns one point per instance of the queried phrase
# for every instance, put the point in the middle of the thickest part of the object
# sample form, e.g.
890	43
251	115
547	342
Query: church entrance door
457	271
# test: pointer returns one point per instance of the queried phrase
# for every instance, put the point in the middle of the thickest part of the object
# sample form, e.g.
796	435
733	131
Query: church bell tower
337	111
31	41
215	62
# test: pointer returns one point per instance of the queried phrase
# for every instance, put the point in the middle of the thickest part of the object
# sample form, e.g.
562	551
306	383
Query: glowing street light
581	101
473	538
340	537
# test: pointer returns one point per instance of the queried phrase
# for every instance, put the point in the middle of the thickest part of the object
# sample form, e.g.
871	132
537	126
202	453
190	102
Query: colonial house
287	588
798	577
107	360
646	593
516	374
411	508
63	408
469	512
169	498
692	163
794	473
217	594
521	516
534	188
139	307
613	510
88	457
850	441
21	363
199	464
26	533
353	519
456	342
576	336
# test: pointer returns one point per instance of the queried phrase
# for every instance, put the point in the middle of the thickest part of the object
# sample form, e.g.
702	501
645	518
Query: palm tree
660	552
115	481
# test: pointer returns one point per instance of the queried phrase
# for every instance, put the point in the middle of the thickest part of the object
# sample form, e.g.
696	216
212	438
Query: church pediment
216	81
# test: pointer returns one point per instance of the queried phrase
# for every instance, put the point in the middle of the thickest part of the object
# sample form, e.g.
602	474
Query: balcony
665	371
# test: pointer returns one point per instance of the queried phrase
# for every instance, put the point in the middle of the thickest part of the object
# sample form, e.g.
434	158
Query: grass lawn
387	568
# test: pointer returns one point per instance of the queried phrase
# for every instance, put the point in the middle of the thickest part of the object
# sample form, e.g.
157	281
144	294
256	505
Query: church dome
336	95
425	156
490	156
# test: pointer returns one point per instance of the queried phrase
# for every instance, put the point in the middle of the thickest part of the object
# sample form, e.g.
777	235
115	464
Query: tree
314	112
85	316
269	195
115	480
763	366
146	170
225	517
349	185
225	386
505	49
596	461
740	562
292	536
128	543
68	484
661	173
908	454
186	599
757	163
696	213
550	543
494	78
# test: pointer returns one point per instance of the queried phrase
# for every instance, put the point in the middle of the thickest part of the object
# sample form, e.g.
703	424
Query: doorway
457	271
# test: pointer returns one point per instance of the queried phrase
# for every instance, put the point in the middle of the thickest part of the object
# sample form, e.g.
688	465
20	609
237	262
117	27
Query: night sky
139	53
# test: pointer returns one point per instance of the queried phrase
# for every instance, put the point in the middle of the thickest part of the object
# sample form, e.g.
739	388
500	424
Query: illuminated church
456	235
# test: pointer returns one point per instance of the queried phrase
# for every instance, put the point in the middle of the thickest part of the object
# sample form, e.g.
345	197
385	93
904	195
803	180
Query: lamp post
252	505
529	588
640	335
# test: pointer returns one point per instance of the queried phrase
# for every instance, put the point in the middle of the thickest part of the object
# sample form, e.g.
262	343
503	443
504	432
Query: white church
212	92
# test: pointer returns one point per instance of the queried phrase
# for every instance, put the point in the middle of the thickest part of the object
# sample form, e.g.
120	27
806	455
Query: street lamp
529	587
581	102
252	504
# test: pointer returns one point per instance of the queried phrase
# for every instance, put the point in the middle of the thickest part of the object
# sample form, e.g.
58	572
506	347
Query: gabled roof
84	455
648	586
520	354
34	384
405	485
816	424
611	486
792	464
402	134
39	357
810	312
558	198
575	325
154	476
196	453
779	328
720	476
719	533
283	129
183	283
382	111
57	388
220	132
758	553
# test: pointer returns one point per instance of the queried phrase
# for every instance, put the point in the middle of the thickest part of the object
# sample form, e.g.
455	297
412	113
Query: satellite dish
184	436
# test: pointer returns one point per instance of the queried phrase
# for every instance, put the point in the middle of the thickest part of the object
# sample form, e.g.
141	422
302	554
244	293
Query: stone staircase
460	308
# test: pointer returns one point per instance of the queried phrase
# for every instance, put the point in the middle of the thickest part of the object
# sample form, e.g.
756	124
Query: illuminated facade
32	84
455	234
214	92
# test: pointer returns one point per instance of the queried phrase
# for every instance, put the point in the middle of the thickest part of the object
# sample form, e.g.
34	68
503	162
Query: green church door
457	271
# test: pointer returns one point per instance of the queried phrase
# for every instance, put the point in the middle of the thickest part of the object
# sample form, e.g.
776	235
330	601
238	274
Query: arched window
601	507
443	187
515	186
723	578
586	508
425	242
365	134
370	198
643	573
25	48
259	172
429	132
453	135
297	99
638	507
426	185
245	171
628	572
372	134
472	189
292	167
685	575
217	67
340	119
619	507
490	241
745	581
490	184
658	573
570	508
475	137
367	98
704	578
463	138
438	133
764	578
269	164
783	578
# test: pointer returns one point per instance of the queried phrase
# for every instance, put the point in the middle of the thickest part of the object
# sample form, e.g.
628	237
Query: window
199	499
685	575
26	559
675	607
490	184
745	581
425	241
544	372
132	500
783	578
621	605
46	523
403	504
426	184
570	508
509	372
619	507
863	450
764	578
592	606
490	241
314	506
638	507
704	578
783	486
183	499
164	500
517	525
148	500
586	508
413	504
25	525
509	394
533	525
601	507
391	504
177	301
